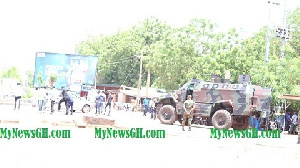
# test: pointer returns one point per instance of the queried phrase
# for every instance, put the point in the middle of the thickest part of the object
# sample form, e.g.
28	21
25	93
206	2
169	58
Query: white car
82	104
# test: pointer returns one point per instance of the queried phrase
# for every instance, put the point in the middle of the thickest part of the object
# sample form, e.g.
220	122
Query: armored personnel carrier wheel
167	115
221	119
241	123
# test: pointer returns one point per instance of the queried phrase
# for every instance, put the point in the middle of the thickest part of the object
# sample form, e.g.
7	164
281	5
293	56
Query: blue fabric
287	118
70	99
251	121
257	123
146	102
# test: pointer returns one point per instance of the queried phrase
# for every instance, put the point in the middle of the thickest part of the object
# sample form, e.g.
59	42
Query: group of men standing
149	106
101	100
67	99
291	122
52	95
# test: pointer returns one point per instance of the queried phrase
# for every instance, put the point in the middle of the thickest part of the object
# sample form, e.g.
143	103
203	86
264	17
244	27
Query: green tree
52	79
30	76
175	55
118	53
40	80
12	72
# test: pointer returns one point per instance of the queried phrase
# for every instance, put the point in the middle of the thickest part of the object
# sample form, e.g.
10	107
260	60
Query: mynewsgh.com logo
248	133
131	133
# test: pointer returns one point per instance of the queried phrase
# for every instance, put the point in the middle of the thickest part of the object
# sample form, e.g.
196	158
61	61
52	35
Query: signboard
72	70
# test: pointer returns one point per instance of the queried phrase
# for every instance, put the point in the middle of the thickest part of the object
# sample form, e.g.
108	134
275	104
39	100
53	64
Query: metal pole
148	83
269	33
268	37
139	85
298	128
284	29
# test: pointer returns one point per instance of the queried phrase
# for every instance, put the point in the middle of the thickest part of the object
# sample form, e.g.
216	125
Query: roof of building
290	97
152	93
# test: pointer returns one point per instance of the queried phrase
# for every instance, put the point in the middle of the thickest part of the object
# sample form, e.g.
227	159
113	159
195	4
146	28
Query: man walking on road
152	108
188	108
18	95
108	103
146	106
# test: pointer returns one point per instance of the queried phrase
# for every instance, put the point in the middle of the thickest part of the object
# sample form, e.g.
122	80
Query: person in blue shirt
146	106
287	121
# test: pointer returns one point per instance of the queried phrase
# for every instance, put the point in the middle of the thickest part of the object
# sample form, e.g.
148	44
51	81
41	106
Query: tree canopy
175	55
12	72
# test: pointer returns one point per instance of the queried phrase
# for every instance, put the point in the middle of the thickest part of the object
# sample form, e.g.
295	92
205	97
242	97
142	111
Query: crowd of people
48	98
282	121
51	97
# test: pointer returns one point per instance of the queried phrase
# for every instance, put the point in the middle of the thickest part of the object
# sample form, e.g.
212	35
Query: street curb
81	122
9	121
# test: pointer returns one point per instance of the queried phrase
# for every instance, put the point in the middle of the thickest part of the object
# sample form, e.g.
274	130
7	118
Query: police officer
100	99
64	97
70	103
188	108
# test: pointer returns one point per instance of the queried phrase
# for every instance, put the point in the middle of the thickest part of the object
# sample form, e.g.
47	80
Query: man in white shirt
294	123
18	92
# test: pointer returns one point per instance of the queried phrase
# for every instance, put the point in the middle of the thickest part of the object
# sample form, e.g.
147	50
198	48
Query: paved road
179	149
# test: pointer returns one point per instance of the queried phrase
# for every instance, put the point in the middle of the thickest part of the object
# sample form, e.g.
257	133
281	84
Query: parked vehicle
226	105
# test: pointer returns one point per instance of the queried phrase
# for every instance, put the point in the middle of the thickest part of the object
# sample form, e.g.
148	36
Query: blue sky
57	25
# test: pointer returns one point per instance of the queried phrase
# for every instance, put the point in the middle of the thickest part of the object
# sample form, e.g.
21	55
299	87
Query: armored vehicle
226	105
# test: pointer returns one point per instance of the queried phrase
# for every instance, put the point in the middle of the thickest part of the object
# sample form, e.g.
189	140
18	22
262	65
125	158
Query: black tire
241	126
167	115
86	108
222	119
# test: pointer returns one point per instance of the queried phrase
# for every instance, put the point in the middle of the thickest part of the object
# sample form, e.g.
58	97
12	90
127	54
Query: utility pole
269	33
298	128
96	78
148	84
268	37
139	84
285	31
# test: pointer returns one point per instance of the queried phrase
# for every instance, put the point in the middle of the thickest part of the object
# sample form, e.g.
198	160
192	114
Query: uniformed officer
100	99
63	97
188	108
70	103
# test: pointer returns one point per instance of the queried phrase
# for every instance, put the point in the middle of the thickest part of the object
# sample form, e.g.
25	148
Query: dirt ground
178	149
